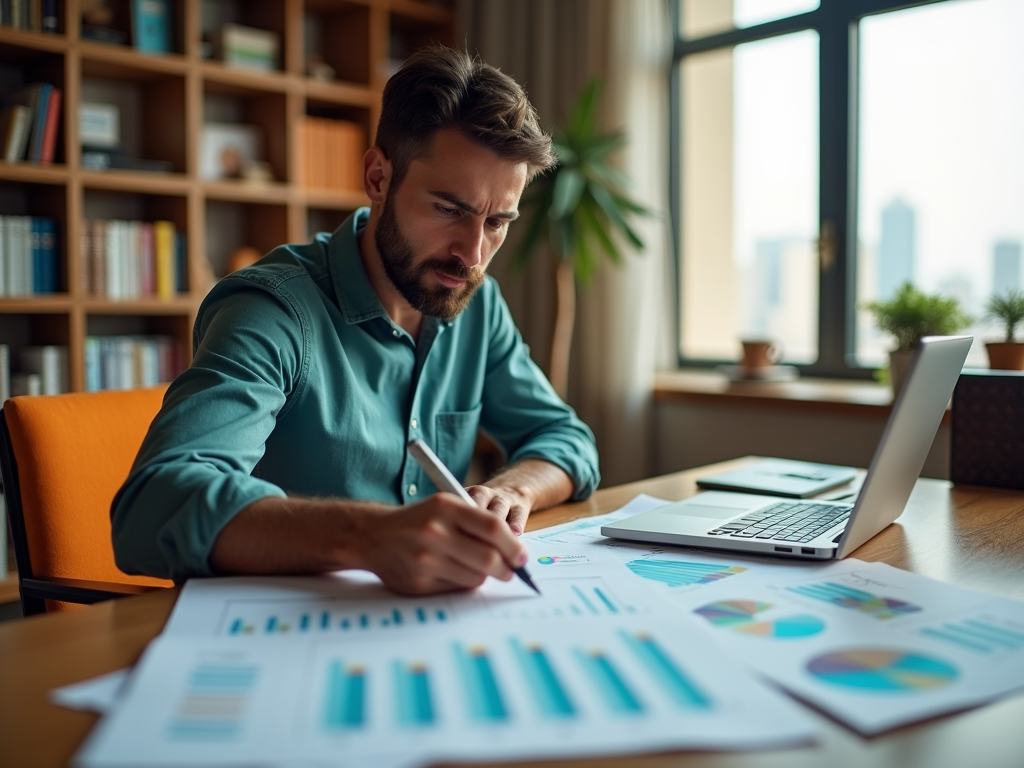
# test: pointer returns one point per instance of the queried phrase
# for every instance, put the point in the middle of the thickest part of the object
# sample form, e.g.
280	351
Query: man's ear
376	175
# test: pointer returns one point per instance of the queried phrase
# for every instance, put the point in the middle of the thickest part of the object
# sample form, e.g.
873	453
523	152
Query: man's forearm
541	483
292	535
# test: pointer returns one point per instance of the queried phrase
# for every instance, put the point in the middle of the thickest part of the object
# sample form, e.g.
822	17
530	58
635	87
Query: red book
50	131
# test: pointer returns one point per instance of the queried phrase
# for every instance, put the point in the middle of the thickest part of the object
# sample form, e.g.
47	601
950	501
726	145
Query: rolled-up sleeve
523	413
193	471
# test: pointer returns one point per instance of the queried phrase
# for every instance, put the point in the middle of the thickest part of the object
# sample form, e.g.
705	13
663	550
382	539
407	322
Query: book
5	373
50	21
50	362
246	47
163	236
3	256
49	140
15	124
151	25
35	97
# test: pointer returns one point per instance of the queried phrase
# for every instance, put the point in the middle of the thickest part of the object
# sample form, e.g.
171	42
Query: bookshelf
165	100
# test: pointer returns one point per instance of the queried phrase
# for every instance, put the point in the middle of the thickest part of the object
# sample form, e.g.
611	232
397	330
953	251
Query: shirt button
412	489
395	332
414	424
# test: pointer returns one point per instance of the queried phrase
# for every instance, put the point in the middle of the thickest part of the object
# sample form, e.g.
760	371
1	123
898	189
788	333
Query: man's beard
410	279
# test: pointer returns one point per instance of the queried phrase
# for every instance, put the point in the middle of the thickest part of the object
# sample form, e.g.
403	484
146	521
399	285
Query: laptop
821	530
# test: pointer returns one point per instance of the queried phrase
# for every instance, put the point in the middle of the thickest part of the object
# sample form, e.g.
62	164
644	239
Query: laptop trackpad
714	512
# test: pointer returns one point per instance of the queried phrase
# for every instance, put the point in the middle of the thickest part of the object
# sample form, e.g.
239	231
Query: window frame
836	23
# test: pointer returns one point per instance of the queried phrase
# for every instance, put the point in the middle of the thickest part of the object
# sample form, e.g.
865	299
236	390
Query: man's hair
439	88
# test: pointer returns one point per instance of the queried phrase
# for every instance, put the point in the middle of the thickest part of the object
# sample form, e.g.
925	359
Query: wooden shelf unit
171	96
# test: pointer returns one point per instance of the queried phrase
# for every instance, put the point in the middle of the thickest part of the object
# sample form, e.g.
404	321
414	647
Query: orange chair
63	458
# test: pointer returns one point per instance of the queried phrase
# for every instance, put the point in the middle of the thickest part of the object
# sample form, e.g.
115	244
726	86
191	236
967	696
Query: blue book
35	255
151	25
36	97
180	263
48	255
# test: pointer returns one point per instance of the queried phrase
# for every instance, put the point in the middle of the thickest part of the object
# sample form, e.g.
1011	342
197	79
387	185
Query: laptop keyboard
796	521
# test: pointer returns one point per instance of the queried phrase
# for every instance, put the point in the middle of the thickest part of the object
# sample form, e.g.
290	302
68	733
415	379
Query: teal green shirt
302	385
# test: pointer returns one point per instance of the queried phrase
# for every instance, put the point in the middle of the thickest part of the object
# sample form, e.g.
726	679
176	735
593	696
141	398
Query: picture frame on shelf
226	150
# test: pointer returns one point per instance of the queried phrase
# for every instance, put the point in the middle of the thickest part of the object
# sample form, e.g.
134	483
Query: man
282	448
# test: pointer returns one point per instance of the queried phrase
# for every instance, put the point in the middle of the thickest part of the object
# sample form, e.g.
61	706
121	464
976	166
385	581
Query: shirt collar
356	298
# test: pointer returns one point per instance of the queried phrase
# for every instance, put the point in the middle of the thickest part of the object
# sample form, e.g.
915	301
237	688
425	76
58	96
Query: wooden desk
973	537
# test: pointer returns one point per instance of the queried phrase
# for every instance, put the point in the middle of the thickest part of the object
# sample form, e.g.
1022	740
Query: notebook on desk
821	530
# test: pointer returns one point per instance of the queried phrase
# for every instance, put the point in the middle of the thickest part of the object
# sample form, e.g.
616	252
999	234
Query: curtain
624	328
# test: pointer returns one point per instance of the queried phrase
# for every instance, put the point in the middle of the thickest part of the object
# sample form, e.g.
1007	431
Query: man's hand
520	489
438	545
503	503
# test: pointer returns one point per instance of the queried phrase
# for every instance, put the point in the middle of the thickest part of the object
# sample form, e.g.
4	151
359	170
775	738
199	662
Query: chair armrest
79	590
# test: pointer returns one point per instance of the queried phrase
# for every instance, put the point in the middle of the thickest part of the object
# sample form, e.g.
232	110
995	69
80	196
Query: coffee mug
759	355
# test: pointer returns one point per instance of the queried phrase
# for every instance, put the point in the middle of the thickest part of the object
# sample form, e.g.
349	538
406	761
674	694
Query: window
825	152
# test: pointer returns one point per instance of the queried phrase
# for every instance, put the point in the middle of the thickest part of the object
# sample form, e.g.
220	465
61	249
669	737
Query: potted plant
577	208
911	315
1009	310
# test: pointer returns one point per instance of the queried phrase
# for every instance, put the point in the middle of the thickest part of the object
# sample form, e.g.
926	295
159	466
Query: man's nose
469	247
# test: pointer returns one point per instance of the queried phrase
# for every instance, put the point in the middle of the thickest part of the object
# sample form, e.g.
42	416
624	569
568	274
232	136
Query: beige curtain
623	325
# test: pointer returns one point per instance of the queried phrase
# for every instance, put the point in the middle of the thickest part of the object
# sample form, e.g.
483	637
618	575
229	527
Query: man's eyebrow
462	205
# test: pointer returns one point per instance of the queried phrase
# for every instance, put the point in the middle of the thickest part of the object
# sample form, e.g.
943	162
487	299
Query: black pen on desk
446	481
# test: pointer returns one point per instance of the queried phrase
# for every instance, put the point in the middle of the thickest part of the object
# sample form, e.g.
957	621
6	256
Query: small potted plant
911	315
1008	309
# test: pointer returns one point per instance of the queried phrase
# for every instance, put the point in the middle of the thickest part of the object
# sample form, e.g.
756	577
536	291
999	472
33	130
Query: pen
446	481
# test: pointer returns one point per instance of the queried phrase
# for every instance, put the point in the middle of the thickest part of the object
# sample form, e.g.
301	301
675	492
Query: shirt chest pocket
456	438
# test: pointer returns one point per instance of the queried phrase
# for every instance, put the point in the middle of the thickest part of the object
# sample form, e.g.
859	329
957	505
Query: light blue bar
346	697
304	622
547	689
236	626
345	623
604	599
1011	638
951	638
441	615
586	601
272	624
364	621
325	620
397	614
415	707
609	683
421	615
665	672
485	702
222	678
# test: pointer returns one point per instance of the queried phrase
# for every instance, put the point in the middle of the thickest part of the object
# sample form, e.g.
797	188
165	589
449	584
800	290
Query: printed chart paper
255	671
875	646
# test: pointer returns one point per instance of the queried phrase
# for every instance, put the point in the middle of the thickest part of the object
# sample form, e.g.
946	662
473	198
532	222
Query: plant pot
899	364
1005	355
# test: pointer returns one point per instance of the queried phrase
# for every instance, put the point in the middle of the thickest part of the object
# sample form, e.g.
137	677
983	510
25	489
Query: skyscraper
1005	266
896	249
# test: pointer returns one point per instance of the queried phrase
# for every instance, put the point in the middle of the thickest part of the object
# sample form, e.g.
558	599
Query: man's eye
444	210
495	223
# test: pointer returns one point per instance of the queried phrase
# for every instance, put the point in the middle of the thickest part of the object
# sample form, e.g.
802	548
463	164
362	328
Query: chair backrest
987	440
72	453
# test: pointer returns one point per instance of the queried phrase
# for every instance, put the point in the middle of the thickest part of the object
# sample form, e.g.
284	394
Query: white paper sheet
250	671
98	694
875	646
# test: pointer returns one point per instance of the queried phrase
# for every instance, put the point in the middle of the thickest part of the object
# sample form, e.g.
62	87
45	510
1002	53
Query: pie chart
742	616
882	671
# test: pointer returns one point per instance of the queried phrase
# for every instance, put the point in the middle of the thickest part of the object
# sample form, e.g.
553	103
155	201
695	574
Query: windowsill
836	396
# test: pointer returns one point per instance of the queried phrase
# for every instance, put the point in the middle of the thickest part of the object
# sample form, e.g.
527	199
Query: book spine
20	276
99	259
148	255
133	259
42	99
35	255
93	365
110	261
85	253
51	22
17	139
163	234
48	248
5	373
4	255
50	132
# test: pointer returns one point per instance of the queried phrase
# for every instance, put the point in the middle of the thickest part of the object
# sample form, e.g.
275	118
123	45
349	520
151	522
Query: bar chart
617	694
212	707
549	692
878	607
984	634
678	573
290	617
413	693
665	672
570	598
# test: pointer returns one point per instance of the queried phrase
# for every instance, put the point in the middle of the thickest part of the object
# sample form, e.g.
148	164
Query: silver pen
446	481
